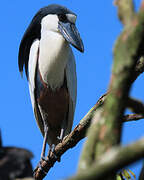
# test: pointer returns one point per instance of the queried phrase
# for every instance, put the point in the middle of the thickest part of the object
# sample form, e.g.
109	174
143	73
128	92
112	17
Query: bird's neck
53	57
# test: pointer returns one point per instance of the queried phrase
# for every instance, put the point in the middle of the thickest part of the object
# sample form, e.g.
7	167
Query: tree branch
138	69
105	132
132	117
25	178
141	176
75	136
125	10
68	142
135	106
112	161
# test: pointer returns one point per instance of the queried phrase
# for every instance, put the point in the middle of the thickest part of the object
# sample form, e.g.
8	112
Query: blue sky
99	27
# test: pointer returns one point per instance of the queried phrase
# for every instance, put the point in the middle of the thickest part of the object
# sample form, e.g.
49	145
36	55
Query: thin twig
132	117
135	106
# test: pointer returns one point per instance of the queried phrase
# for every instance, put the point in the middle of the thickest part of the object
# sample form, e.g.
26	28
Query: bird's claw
52	150
44	159
59	138
39	166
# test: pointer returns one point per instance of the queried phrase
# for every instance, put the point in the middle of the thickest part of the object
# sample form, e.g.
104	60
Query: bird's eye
62	17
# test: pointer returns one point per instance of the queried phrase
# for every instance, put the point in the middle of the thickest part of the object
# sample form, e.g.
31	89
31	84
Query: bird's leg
52	150
63	127
60	138
43	149
44	142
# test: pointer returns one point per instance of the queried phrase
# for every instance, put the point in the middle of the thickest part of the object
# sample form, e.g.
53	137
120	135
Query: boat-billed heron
50	69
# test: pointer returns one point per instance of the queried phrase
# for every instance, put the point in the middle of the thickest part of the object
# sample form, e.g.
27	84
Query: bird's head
60	19
54	18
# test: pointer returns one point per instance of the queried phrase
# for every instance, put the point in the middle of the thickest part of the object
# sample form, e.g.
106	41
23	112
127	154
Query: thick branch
125	10
126	53
106	131
112	161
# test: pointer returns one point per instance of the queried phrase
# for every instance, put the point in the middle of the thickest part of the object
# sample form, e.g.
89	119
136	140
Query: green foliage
126	174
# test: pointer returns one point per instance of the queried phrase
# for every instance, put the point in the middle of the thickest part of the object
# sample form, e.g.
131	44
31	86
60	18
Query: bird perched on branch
50	69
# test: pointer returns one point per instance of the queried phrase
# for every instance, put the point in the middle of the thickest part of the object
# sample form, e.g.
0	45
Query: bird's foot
39	166
52	150
60	138
44	158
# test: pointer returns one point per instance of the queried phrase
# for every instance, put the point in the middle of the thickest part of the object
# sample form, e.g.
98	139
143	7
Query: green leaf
118	177
126	174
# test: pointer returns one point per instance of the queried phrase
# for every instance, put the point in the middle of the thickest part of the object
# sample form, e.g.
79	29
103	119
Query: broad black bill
71	34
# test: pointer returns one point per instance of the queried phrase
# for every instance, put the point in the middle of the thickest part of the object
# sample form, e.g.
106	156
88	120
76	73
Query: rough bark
112	161
105	132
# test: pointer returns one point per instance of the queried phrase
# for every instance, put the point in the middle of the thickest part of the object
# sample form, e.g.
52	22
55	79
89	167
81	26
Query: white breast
54	52
53	56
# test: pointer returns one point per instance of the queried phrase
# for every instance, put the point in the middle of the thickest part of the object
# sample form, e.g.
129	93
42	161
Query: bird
14	162
46	53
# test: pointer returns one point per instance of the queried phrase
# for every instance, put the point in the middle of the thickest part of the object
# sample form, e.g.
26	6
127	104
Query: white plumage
33	57
54	69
